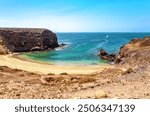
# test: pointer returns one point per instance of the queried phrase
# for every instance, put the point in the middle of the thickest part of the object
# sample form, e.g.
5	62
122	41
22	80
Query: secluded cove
82	48
46	57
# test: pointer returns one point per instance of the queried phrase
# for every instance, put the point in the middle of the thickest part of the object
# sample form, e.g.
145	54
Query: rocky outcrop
134	54
105	56
3	49
28	39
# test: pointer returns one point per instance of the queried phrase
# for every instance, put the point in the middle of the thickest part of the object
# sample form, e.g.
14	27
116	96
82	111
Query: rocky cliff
134	54
3	49
28	39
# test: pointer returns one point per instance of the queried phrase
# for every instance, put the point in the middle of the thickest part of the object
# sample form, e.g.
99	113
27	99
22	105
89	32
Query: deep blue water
83	47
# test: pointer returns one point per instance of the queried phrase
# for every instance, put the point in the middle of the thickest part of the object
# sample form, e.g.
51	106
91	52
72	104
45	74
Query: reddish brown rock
134	54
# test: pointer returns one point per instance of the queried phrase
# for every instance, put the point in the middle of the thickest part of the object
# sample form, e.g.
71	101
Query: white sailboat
107	36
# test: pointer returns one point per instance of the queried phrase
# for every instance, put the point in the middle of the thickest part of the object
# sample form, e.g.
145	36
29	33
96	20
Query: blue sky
77	15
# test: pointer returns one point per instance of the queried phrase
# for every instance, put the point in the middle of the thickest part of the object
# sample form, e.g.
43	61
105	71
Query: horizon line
103	32
79	31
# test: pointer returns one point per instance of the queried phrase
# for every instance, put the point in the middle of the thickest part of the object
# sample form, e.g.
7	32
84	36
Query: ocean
82	48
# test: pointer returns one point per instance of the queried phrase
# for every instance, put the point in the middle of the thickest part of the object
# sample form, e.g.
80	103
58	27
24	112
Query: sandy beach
13	61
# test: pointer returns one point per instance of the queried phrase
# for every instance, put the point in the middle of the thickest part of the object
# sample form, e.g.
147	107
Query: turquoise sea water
83	47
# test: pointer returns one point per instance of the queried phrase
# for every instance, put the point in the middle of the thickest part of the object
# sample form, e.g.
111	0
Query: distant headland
27	39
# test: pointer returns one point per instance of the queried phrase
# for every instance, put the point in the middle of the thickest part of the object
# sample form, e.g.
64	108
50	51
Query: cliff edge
3	49
134	54
28	39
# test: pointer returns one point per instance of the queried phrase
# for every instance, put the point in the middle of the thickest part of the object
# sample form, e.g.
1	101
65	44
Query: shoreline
14	61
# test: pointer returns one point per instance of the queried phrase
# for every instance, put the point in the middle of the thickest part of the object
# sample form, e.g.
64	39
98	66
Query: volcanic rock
3	49
105	56
28	39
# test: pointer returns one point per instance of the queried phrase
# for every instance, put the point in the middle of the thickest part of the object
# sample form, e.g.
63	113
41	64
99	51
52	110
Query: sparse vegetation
50	74
49	79
64	73
86	80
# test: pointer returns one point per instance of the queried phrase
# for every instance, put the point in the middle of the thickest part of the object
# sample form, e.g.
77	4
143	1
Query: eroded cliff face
26	39
3	49
134	54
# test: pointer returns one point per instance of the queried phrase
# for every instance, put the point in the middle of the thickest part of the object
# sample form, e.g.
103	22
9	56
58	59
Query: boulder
105	56
100	94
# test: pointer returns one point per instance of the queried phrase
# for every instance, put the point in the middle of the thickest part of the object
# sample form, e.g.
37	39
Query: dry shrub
49	79
53	79
64	73
50	74
33	81
86	80
59	79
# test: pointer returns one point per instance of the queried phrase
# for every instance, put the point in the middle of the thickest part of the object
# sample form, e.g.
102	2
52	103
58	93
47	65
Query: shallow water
83	47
